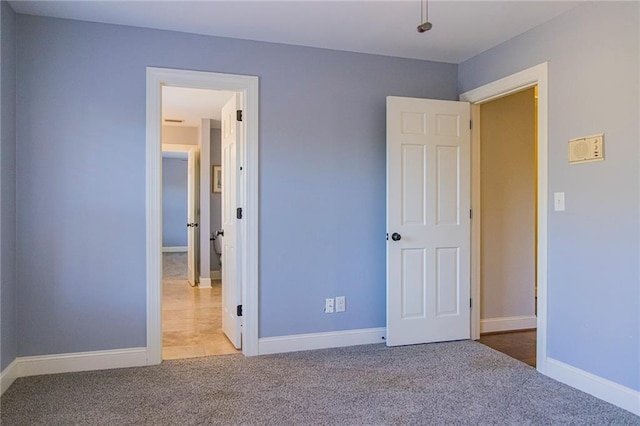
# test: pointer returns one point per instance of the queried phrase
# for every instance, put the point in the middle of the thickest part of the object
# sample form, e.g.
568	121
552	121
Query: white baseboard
204	282
216	275
174	249
604	389
492	325
306	342
8	376
81	361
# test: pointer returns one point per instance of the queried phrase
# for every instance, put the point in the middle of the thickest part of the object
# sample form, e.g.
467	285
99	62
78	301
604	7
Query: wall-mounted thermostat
587	149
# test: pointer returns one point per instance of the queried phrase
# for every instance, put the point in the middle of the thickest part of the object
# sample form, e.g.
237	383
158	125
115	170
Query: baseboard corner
174	249
204	282
8	376
604	389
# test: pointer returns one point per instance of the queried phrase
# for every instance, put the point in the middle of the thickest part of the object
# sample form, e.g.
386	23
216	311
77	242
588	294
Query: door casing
247	86
534	76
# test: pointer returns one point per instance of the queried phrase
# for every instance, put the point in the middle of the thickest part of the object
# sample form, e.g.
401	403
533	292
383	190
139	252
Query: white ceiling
461	29
191	105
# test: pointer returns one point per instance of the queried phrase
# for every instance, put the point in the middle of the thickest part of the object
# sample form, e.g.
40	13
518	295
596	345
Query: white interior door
231	291
428	223
192	216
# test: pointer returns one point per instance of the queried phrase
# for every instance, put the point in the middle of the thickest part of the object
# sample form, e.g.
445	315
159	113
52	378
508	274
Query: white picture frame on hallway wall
216	184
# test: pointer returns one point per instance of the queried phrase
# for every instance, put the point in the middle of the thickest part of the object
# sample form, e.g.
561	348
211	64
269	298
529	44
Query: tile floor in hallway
192	319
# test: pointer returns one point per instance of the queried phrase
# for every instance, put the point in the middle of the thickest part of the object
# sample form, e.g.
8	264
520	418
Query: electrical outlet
328	306
340	304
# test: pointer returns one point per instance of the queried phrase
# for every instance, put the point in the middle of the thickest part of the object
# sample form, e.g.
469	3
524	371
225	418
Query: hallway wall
508	212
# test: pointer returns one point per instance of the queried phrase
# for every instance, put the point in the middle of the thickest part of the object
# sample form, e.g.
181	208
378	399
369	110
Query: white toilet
217	245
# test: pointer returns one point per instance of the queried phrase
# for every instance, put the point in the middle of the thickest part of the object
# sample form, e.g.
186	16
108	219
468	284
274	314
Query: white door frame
204	218
247	86
530	77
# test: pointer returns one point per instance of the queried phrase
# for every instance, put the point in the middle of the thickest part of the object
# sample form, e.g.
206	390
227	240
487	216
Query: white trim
175	249
204	188
174	155
71	362
312	341
216	275
204	282
178	147
537	75
154	218
597	386
505	86
81	361
476	210
492	325
247	86
8	376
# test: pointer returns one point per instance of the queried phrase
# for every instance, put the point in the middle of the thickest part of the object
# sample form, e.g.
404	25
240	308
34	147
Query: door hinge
471	303
470	124
470	214
239	115
239	310
239	213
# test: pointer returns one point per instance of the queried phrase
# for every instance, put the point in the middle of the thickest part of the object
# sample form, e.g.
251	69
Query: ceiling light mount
424	17
424	27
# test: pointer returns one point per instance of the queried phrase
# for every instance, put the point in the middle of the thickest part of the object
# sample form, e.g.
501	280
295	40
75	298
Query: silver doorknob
396	237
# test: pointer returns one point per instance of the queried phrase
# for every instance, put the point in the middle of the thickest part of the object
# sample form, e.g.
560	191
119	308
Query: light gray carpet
174	265
457	383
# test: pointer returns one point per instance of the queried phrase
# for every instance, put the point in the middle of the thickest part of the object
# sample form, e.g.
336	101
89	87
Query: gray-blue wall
174	202
81	177
8	286
593	282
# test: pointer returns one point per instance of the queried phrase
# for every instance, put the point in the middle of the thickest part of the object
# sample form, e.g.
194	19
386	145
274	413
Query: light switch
558	201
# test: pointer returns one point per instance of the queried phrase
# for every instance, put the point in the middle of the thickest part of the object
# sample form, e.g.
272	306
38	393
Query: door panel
447	185
192	217
447	281
414	159
428	201
413	297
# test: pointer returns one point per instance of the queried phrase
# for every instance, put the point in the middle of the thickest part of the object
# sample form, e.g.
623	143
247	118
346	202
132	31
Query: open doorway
244	307
508	224
192	287
535	79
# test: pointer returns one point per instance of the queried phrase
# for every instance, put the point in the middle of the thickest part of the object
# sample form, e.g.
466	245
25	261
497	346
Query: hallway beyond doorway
520	345
191	316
